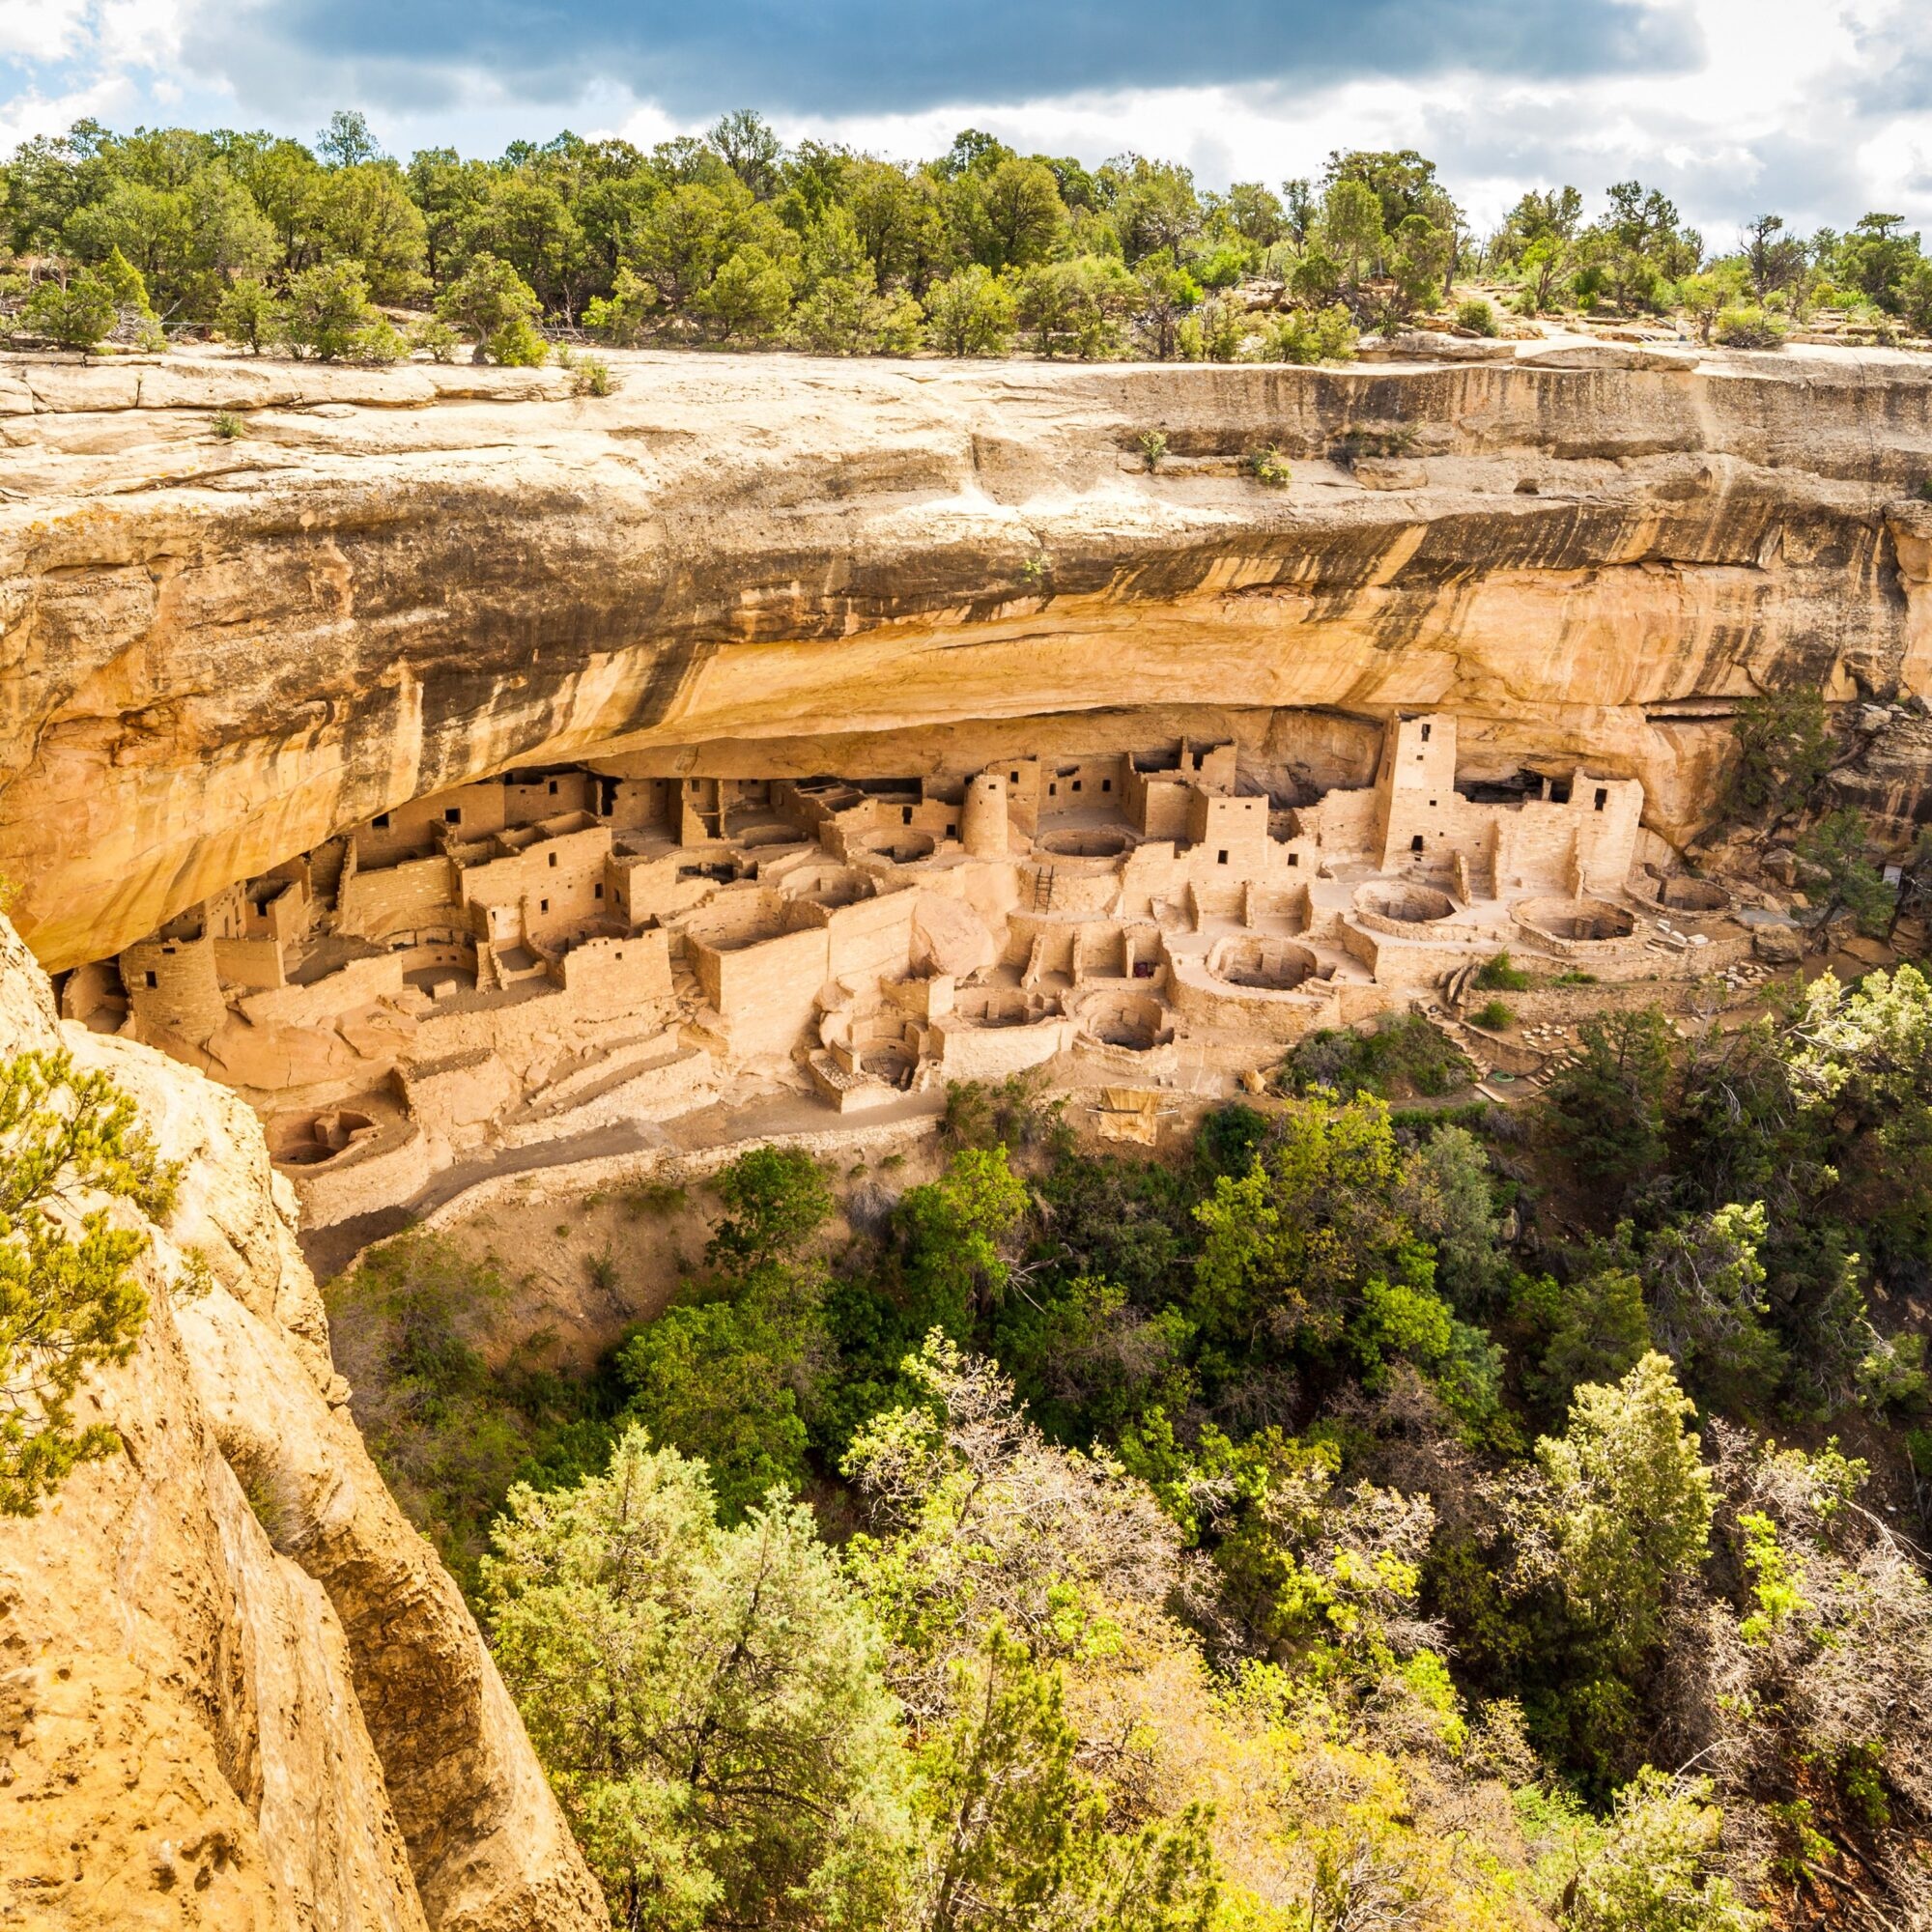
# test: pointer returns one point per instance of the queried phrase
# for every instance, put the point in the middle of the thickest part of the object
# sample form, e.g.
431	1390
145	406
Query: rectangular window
952	831
1424	734
1602	798
1053	791
552	787
1294	858
1076	784
453	815
1415	844
596	892
1106	785
905	815
381	822
1221	858
543	905
154	981
552	861
1014	780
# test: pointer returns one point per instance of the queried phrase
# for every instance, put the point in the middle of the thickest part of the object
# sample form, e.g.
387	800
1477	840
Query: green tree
1168	295
1784	752
774	1200
1352	229
1655	1866
68	1300
1291	1245
324	311
1623	1514
75	313
1606	1108
750	295
706	1702
495	306
1013	213
971	313
1837	847
250	316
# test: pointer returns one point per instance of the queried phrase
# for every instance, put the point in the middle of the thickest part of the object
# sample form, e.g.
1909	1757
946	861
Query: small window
453	815
1076	784
597	891
381	822
1294	858
553	861
905	815
1014	779
154	981
618	956
1221	858
1418	758
1415	844
543	905
1106	785
1424	739
1053	791
552	787
1432	805
952	831
1602	797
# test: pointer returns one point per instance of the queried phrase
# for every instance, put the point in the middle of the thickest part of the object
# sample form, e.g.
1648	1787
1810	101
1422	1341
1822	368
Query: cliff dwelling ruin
539	954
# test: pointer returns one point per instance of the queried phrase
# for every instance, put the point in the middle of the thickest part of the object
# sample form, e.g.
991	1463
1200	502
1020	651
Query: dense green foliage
1356	1472
736	241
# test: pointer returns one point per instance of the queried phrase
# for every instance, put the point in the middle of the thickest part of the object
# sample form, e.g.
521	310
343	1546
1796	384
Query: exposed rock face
217	654
236	1690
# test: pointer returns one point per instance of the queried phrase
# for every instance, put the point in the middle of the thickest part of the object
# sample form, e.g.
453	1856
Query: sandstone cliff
217	653
236	1690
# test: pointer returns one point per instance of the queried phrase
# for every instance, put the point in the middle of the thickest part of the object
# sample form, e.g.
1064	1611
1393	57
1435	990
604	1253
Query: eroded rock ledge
216	654
236	1689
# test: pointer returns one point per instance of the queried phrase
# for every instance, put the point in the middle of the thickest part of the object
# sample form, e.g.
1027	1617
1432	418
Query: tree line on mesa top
337	250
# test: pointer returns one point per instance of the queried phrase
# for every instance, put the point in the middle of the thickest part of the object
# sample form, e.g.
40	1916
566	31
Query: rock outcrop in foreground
236	1690
218	653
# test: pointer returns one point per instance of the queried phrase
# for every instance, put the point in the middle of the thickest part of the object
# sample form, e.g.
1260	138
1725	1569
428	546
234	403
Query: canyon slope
219	648
236	1689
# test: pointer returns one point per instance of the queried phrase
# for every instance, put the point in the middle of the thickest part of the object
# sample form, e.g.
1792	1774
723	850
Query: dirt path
328	1250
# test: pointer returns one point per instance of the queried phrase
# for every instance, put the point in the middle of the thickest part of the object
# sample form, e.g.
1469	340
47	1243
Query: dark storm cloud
860	56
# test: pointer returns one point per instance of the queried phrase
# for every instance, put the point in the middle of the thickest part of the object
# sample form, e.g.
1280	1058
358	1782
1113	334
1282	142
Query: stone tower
982	824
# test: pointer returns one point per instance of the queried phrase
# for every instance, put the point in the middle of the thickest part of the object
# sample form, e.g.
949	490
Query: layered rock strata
236	1690
216	654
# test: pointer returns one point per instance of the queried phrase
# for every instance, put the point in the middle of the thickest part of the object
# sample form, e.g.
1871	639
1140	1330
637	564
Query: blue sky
1819	108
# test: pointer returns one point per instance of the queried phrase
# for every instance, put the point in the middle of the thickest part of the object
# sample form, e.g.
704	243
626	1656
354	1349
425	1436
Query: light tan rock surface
236	1690
215	654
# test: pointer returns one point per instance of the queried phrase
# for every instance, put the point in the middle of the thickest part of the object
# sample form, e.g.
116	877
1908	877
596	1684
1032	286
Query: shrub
68	1299
971	314
1746	325
249	315
1312	335
590	377
1495	1016
495	307
1405	1055
327	309
1477	316
436	339
379	340
1498	976
228	426
75	314
1269	467
1154	451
